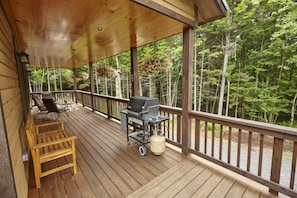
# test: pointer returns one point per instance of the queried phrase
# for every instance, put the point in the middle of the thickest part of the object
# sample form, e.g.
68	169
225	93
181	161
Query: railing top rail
249	125
104	96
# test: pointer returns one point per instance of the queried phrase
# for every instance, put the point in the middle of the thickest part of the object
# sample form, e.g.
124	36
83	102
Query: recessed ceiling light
100	29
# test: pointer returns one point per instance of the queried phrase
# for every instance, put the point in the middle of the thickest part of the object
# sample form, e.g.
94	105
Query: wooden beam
134	72
168	12
222	6
188	41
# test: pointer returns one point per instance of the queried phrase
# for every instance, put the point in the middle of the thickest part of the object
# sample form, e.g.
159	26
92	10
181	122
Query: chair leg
74	157
37	172
57	116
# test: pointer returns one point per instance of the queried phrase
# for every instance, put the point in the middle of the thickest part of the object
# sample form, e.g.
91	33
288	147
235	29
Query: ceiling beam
166	11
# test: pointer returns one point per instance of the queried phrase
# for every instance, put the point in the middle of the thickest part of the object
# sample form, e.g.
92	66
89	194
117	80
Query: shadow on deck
108	167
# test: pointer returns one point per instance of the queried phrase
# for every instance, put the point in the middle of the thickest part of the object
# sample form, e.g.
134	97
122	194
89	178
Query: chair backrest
38	102
47	95
50	105
30	131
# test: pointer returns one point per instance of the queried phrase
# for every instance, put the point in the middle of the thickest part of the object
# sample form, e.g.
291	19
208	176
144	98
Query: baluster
178	128
213	139
248	164
205	137
260	155
238	148
197	135
229	144
221	142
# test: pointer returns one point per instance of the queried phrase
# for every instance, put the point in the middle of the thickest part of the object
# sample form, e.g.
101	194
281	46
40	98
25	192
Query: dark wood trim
188	39
134	72
163	10
7	182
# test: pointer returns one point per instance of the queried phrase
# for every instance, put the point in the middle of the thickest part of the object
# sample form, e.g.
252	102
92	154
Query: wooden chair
49	145
38	102
52	107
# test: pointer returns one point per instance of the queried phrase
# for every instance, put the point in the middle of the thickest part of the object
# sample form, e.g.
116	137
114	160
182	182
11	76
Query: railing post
276	162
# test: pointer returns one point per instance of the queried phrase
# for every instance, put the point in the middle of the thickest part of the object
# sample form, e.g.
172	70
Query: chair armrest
68	139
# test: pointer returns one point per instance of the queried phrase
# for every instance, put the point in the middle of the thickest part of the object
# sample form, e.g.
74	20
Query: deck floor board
109	167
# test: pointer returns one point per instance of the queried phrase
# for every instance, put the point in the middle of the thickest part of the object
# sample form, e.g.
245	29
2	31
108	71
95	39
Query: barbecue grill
142	113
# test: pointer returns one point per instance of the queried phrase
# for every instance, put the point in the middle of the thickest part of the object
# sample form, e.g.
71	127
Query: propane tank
157	145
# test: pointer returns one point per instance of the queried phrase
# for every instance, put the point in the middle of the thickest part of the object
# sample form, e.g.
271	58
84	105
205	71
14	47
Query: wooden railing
107	105
265	153
62	96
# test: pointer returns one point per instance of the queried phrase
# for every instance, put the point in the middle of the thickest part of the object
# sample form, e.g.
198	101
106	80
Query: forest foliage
244	65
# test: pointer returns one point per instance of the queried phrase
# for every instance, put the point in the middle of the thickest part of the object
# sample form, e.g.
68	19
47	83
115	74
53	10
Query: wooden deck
108	167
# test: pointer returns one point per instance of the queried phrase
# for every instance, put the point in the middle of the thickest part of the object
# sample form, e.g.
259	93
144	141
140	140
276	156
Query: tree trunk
106	86
55	80
225	64
96	81
140	86
127	86
237	92
48	81
169	88
195	75
201	79
228	97
150	86
118	80
60	78
293	109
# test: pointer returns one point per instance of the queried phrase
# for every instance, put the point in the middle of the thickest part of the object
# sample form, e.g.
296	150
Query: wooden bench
50	144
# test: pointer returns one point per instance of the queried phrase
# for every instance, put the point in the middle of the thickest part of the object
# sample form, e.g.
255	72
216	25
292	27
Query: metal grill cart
142	114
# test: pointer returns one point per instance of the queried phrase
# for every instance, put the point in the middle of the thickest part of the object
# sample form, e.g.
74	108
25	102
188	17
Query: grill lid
139	105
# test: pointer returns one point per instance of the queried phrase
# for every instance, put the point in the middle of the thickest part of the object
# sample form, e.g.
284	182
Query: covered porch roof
72	33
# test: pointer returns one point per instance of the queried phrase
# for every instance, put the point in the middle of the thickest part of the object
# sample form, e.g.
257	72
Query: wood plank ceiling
64	33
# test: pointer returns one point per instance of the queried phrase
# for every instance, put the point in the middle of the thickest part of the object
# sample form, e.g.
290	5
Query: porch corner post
134	72
187	79
75	83
92	87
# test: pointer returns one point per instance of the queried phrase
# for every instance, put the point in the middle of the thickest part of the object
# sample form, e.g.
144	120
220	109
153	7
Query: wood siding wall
12	110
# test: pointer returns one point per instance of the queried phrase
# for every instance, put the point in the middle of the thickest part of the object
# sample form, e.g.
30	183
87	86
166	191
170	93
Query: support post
276	162
92	87
187	79
75	83
134	72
